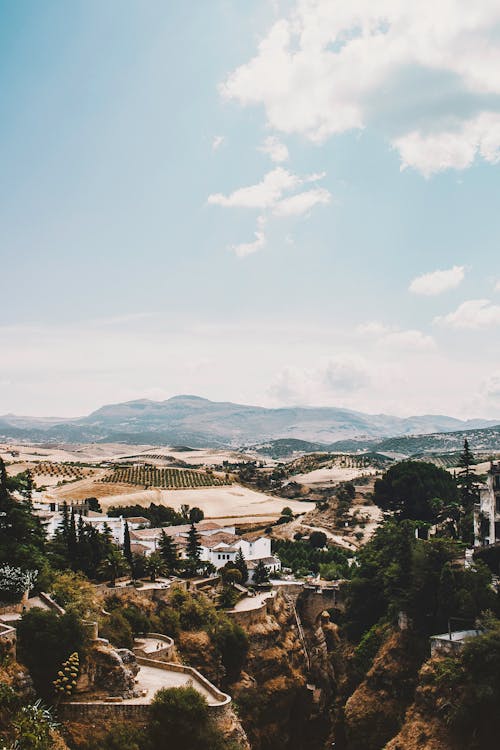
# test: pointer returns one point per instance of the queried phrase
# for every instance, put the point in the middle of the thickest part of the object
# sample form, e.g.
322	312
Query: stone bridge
315	599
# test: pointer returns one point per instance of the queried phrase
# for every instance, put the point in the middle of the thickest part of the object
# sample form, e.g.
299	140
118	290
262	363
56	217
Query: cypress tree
127	549
193	548
168	551
260	573
240	564
4	493
467	484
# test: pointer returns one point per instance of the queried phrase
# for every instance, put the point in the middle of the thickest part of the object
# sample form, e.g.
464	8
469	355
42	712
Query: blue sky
239	200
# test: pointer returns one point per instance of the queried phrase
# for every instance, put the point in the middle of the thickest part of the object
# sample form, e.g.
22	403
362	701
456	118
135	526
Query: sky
277	203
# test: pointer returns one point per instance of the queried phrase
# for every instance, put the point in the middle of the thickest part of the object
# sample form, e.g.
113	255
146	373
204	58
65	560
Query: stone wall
247	617
8	641
166	653
76	712
315	600
222	698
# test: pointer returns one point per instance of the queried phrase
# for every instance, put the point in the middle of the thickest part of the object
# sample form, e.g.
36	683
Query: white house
219	545
52	520
487	511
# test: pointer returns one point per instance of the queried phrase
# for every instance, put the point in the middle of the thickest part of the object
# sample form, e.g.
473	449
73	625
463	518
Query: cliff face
108	670
375	711
274	701
424	727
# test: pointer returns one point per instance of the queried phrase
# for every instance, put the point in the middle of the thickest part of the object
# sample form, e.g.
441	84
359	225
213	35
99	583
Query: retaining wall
162	654
8	640
249	616
222	698
104	711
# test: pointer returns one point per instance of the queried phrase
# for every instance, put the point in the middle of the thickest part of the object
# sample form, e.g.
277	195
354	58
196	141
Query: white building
52	518
218	544
487	511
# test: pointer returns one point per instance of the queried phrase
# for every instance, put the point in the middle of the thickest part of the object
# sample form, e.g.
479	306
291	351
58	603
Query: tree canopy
415	490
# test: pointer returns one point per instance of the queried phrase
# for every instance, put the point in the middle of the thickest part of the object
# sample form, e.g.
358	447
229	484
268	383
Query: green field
169	479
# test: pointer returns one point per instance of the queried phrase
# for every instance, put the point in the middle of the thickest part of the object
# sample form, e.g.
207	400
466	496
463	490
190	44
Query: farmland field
152	476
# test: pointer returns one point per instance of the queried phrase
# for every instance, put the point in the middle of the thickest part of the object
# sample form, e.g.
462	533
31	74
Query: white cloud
473	314
301	203
326	68
497	286
276	150
455	148
264	194
247	248
436	282
337	377
268	196
217	142
397	338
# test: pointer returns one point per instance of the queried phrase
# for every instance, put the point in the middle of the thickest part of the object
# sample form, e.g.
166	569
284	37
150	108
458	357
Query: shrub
117	630
45	641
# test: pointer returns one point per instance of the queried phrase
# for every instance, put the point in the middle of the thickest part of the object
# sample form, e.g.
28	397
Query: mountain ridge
198	421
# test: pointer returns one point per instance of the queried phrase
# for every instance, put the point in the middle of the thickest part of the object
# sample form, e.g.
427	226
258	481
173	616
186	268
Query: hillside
199	422
482	440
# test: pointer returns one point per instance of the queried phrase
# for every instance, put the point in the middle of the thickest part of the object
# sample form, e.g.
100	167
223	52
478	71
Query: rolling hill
198	422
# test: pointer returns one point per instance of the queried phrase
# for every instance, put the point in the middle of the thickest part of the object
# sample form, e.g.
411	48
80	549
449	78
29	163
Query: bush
232	643
317	539
45	641
180	720
117	630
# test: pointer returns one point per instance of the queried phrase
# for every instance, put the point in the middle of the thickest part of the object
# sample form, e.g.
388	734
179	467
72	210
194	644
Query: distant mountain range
484	440
198	422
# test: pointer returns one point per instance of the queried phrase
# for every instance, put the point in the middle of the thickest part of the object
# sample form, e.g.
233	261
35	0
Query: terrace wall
8	641
165	653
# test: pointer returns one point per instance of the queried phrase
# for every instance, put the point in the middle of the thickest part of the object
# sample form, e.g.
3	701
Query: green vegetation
30	727
195	613
302	556
45	641
397	572
465	691
180	719
158	515
416	490
22	539
65	682
152	476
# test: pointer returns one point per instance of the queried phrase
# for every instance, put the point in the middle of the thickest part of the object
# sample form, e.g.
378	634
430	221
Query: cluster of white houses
219	544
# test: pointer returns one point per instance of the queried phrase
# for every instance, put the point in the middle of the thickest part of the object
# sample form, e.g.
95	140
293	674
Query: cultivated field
152	476
334	475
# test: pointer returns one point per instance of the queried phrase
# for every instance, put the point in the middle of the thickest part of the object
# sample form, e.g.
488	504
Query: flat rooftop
457	635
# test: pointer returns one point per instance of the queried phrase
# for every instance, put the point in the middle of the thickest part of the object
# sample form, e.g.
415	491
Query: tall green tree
241	565
127	548
113	566
155	565
415	490
260	574
168	551
22	538
193	548
467	483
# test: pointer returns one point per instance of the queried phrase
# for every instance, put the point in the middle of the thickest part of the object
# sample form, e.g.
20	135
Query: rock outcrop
108	670
375	711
